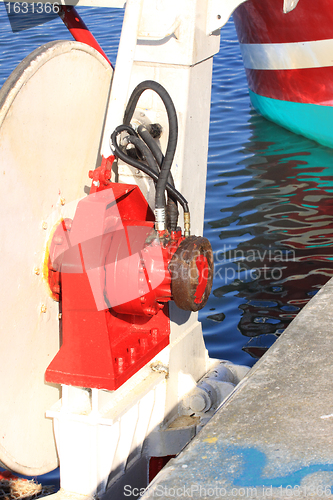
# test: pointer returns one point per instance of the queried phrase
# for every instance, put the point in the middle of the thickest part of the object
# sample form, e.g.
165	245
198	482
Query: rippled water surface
268	216
269	208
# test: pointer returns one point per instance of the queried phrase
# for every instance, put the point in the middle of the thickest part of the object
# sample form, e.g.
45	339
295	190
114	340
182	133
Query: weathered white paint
295	55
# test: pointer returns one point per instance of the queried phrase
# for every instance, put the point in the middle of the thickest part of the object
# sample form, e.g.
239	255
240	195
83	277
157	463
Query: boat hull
289	64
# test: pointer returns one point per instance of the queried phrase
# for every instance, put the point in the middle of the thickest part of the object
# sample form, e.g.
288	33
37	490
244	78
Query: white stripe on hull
295	55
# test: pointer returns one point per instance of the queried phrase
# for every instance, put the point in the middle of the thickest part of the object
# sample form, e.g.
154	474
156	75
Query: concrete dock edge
273	437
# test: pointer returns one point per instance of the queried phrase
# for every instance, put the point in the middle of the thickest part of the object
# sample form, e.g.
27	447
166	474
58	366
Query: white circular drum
52	110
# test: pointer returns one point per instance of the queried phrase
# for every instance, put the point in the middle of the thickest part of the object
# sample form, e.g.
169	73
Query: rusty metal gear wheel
192	269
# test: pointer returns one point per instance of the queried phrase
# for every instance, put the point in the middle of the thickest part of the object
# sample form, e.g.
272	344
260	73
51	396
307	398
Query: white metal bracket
218	13
157	36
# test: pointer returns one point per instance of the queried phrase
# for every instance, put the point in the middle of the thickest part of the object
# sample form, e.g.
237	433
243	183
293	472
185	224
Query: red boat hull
288	58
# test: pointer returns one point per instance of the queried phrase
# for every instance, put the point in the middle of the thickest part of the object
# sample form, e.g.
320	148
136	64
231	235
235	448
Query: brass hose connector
187	224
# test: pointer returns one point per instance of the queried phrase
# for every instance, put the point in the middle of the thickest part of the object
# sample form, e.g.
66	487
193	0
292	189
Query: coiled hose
172	209
157	166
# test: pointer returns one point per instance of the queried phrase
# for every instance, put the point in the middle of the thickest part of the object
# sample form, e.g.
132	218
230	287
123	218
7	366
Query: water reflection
273	236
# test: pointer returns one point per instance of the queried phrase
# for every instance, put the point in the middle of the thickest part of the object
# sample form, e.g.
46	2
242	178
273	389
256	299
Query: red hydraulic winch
116	265
114	274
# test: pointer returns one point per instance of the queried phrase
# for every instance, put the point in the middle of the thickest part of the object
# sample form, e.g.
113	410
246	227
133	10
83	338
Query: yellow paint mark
204	457
211	440
46	260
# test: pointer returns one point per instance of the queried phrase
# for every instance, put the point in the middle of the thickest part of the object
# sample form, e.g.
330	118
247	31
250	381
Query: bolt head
68	224
197	402
58	240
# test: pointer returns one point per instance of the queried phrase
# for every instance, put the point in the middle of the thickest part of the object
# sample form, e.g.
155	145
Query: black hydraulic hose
172	209
142	166
126	128
173	132
150	159
134	139
153	146
145	152
172	214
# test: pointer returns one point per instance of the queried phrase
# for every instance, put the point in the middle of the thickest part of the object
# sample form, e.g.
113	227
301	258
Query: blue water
268	216
268	210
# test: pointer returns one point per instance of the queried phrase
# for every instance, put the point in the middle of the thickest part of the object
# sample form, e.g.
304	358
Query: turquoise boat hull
310	120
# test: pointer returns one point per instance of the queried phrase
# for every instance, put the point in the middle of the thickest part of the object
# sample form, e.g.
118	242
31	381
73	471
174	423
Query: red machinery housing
114	275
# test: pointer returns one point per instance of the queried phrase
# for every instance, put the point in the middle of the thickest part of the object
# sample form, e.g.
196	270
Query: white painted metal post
175	48
123	70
